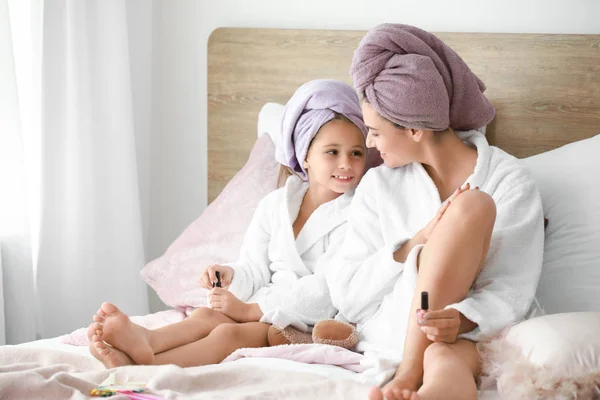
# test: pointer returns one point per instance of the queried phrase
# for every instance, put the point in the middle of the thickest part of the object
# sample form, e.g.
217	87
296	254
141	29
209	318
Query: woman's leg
451	371
141	344
447	267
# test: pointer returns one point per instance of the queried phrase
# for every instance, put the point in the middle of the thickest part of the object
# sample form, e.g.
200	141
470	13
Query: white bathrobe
283	274
391	205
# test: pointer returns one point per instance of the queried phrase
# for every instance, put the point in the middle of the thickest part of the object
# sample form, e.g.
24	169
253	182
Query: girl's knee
228	332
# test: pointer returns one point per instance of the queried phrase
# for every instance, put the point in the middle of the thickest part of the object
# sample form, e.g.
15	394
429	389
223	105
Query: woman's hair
363	98
285	172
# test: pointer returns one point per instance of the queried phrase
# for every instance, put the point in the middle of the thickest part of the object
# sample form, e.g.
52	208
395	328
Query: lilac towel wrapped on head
415	80
311	107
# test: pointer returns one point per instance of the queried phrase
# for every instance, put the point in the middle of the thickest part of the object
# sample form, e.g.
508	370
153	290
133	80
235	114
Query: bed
546	90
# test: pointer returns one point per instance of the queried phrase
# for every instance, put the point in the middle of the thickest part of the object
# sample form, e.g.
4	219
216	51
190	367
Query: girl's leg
213	349
197	326
141	344
447	267
221	342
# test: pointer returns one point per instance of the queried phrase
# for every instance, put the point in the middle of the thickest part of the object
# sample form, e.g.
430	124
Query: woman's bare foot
118	331
404	386
377	394
109	356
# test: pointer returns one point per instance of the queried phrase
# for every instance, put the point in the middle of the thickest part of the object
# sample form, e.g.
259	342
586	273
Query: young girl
480	262
279	277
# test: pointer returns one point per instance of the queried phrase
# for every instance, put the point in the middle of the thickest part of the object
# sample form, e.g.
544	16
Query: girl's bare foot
91	332
118	331
110	357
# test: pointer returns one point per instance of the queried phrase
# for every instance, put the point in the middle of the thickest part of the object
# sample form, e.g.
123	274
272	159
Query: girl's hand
208	276
440	325
426	232
224	301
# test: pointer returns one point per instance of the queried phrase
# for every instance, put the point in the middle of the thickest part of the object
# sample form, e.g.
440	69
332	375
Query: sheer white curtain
72	191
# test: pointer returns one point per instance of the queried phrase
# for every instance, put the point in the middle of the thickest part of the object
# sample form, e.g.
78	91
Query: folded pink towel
311	107
415	80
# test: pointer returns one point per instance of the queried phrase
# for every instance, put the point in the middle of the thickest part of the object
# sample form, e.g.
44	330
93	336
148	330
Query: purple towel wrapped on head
415	80
311	107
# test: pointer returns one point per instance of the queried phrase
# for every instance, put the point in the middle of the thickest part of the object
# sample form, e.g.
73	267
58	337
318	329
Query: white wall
180	33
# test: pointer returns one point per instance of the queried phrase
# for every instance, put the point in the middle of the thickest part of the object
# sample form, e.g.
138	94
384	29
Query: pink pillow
216	236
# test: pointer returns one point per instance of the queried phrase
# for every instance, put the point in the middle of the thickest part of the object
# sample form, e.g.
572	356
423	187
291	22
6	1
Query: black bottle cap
424	301
218	282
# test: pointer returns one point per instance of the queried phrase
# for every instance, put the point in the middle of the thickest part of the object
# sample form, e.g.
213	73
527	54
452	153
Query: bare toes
375	394
91	331
100	345
109	308
390	394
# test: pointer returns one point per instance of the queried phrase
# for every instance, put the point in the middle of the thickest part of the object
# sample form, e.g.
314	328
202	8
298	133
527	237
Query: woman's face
396	145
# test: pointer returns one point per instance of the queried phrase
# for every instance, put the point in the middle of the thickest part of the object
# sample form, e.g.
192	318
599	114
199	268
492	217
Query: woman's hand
426	232
209	277
440	325
224	301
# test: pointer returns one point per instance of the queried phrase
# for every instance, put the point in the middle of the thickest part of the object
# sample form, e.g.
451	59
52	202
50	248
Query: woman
480	263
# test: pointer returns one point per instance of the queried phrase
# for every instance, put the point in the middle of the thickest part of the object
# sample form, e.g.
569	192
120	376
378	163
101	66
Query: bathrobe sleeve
364	270
307	300
251	270
505	288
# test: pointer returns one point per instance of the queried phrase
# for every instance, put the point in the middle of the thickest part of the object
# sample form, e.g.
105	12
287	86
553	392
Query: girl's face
396	145
336	159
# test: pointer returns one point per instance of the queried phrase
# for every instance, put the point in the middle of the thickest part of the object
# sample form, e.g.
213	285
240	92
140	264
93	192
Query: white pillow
554	356
269	120
569	182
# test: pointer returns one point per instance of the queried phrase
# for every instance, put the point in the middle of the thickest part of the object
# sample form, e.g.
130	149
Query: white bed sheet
329	371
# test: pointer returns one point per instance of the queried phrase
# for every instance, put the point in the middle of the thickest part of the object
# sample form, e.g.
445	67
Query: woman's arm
402	253
364	270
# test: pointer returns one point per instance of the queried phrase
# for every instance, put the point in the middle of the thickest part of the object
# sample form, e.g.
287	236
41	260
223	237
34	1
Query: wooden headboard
546	88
